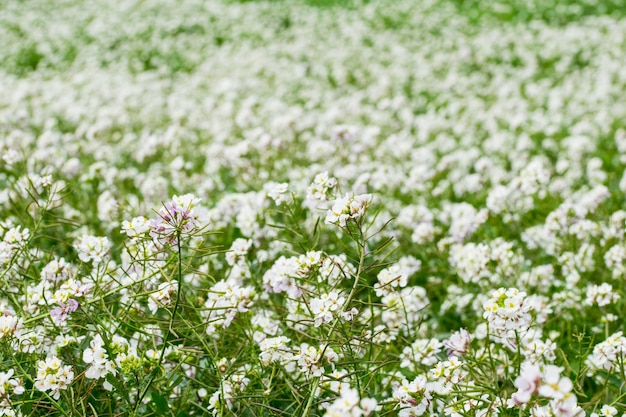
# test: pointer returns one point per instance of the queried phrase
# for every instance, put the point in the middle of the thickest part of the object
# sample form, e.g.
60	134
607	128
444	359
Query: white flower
97	358
458	343
163	296
277	192
348	208
53	376
136	227
93	248
526	383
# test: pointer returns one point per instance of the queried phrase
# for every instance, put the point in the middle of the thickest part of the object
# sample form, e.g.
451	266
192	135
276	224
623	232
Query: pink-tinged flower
527	384
458	343
60	313
177	216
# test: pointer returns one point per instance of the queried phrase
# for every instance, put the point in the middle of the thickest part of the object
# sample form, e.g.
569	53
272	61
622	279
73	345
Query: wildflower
396	276
546	382
238	250
10	325
312	360
553	385
458	343
275	349
163	296
224	301
53	376
60	313
507	310
326	307
413	398
277	192
16	236
58	270
97	358
136	227
602	295
607	355
446	374
180	215
605	411
93	248
348	208
350	405
321	187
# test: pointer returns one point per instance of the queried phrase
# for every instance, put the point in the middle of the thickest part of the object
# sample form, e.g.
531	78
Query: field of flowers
312	208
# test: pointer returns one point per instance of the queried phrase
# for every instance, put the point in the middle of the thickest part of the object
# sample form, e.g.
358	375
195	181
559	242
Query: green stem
170	325
361	246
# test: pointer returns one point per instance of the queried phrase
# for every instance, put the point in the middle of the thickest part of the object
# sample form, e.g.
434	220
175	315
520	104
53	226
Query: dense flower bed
278	209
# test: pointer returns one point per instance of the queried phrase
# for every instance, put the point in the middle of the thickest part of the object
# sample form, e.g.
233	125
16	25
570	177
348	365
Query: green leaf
160	403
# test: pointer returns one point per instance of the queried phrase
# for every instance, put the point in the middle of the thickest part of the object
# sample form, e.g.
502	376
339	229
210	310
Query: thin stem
170	325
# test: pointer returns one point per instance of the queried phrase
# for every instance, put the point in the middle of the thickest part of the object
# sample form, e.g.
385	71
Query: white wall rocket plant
312	208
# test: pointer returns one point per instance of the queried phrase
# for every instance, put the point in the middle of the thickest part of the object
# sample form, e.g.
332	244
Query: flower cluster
53	377
9	387
181	215
608	355
97	358
348	208
350	405
254	208
413	398
545	382
507	312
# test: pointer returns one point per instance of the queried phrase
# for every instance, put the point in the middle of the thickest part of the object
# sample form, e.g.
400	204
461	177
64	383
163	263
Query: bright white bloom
413	398
224	301
98	360
553	385
321	187
163	296
348	208
16	236
507	310
446	375
238	251
609	354
615	260
605	411
92	248
326	307
281	277
136	227
312	360
602	295
396	276
277	192
350	405
471	261
8	386
275	349
53	376
10	325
